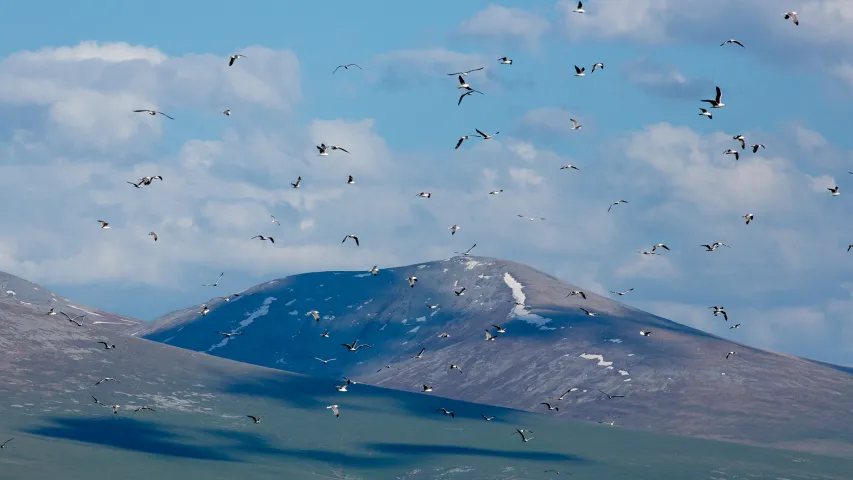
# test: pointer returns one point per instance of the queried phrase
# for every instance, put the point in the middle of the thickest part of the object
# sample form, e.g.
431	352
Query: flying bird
104	223
645	333
324	335
204	310
431	307
153	234
466	72
466	252
74	320
622	293
453	366
705	113
424	195
315	314
748	217
453	229
616	203
579	8
374	270
226	112
718	310
717	102
737	325
350	180
575	124
505	61
3	445
733	152
298	182
420	354
469	92
485	136
531	218
522	432
488	419
576	292
97	402
263	238
106	379
346	67
712	247
148	180
323	150
461	139
742	141
107	346
343	388
459	293
144	407
612	422
412	281
599	65
587	312
354	346
792	16
233	58
52	311
443	335
609	396
445	411
661	246
254	418
325	361
832	191
230	334
730	354
228	298
335	147
427	388
499	329
352	237
732	40
334	409
756	147
580	71
496	192
490	337
564	167
115	409
573	389
556	408
216	282
153	112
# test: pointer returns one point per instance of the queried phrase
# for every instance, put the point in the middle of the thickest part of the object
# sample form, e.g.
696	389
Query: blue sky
68	81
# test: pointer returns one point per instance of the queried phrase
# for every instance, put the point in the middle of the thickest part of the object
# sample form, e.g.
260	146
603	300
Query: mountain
199	426
677	380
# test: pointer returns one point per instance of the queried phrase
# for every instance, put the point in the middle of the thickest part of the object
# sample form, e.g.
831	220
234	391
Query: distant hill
676	380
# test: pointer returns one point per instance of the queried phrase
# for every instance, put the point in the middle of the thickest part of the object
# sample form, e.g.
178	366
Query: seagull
466	72
136	185
229	334
832	191
616	203
622	293
374	270
115	409
343	388
499	329
420	354
107	346
52	311
550	407
453	229
352	382
661	246
459	293
722	310
711	248
431	307
705	113
609	396
355	346
732	40
718	100
496	192
733	152
445	411
612	422
587	312
645	333
573	389
490	337
325	361
74	320
153	112
461	139
647	253
579	71
97	402
153	234
104	223
315	314
576	292
226	112
505	61
216	282
106	379
334	409
233	58
254	418
335	147
469	92
3	445
564	167
453	366
488	419
352	237
443	335
275	220
346	67
228	299
325	334
599	64
427	388
350	180
575	124
737	325
792	16
531	218
756	147
148	180
424	195
322	148
485	136
204	310
742	141
466	252
730	354
579	9
849	247
748	217
263	238
521	432
464	84
298	182
412	281
144	408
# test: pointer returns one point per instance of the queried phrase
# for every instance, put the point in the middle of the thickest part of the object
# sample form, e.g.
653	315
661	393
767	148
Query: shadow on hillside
422	450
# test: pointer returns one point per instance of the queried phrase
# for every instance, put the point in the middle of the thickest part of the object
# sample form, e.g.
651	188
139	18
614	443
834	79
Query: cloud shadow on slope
421	450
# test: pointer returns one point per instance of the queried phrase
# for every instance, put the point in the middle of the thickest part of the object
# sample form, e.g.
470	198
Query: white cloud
514	24
663	79
549	120
524	176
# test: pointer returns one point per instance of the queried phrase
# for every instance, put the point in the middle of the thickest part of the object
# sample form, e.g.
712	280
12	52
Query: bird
587	312
732	40
453	366
555	408
230	334
275	220
445	411
453	229
420	354
323	150
661	246
609	396
645	333
718	310
334	409
490	337
737	325
712	247
459	293
849	247
575	124
579	8
733	152
350	180
431	307
351	382
505	61
152	113
579	71
343	388
374	270
496	192
254	418
461	139
325	361
463	84
466	252
466	72
346	67
705	113
148	180
97	402
354	346
144	408
742	141
616	203
485	136
204	310
564	167
730	354
298	182
3	445
315	314
469	92
424	195
647	253
104	223
52	311
115	409
531	218
226	112
834	191
216	282
756	147
153	234
263	238
573	389
325	334
622	293
427	388
521	432
107	346
499	329
74	320
488	419
228	298
792	16
412	281
106	379
612	422
136	185
352	237
233	58
717	102
748	217
577	292
335	147
599	64
443	335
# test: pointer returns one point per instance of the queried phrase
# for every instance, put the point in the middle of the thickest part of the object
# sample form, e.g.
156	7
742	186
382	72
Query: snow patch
84	310
624	373
420	319
289	303
520	311
415	329
470	263
327	299
484	276
405	320
614	340
260	312
362	275
601	362
421	267
294	313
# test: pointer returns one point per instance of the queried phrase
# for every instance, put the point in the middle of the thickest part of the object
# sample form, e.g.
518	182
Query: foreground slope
199	428
676	380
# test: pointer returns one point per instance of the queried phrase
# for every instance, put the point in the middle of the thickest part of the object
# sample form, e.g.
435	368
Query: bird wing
585	310
472	248
421	352
578	70
356	240
719	94
481	133
475	70
161	113
461	97
460	142
336	69
104	344
354	65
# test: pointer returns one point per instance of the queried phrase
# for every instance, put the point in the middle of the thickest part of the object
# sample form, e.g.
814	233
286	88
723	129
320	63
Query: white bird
645	333
453	229
323	150
599	64
443	335
647	253
612	422
275	220
315	314
622	293
298	182
748	217
464	84
466	72
346	67
496	192
412	281
490	337
579	8
230	334
445	411
555	408
424	195
453	366
341	388
461	139
233	58
74	320
499	329
718	310
354	346
655	247
459	293
106	379
350	180
469	92
609	396
104	223
107	346
733	152
531	218
521	432
325	361
576	292
3	445
420	354
732	40
756	147
616	203
792	16
432	307
115	409
488	419
587	312
580	71
427	388
573	389
737	325
730	354
374	270
352	237
575	124
204	310
717	102
569	166
334	409
254	418
153	234
324	335
228	298
834	191
216	282
712	247
52	311
485	136
505	61
152	113
742	141
466	252
263	238
226	112
705	113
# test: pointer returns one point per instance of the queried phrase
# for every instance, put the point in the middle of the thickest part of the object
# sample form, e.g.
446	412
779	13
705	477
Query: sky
69	142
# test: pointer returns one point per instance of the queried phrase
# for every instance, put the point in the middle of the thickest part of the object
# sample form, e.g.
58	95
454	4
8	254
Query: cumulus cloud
502	23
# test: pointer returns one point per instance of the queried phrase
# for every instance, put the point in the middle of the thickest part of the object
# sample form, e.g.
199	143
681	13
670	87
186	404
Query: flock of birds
354	346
